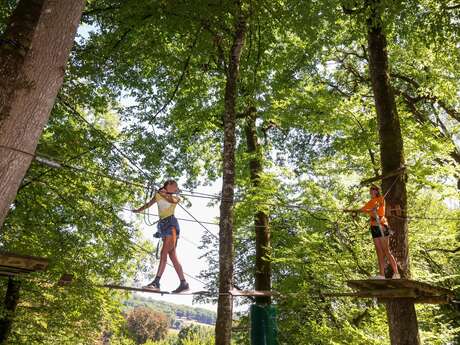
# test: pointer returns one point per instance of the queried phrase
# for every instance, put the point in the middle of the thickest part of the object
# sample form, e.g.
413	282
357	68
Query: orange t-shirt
379	204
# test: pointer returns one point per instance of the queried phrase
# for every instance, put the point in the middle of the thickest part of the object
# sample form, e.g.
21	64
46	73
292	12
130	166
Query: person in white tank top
169	230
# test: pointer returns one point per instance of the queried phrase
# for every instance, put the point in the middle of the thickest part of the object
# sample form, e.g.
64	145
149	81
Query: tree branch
449	110
452	7
181	78
99	10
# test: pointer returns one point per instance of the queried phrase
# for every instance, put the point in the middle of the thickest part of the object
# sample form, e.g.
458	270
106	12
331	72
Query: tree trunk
225	302
401	314
262	231
11	301
33	54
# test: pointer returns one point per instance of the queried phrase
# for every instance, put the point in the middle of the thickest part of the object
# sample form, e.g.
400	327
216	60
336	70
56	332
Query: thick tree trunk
225	303
401	314
262	230
33	53
10	303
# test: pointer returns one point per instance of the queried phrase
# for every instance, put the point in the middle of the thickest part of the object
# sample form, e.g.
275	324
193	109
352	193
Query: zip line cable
54	164
103	135
282	205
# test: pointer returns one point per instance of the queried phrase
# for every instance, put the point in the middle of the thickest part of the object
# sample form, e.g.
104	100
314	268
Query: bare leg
386	251
174	259
380	256
177	265
167	245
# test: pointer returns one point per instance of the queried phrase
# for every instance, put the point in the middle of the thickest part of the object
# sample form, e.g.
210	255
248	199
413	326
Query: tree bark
402	319
10	303
225	302
33	53
263	265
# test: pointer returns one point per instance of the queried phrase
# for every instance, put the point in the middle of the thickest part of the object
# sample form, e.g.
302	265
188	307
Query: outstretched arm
147	205
368	207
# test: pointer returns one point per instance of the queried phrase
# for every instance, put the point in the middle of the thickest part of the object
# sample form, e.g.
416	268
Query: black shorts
375	231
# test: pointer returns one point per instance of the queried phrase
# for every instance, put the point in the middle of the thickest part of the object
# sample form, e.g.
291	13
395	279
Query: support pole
264	330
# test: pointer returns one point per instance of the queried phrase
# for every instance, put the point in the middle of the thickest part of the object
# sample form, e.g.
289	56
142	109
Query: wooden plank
359	284
428	288
22	262
374	284
367	284
251	293
423	300
9	273
14	270
131	288
422	289
345	294
419	292
384	299
388	293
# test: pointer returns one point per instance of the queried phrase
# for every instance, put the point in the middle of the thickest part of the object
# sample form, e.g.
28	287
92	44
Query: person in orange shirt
379	230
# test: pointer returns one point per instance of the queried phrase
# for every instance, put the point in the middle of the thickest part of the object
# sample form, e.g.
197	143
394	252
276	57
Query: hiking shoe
182	287
396	276
377	277
154	286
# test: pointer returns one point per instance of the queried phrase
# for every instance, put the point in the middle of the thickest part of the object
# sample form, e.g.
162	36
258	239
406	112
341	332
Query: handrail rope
196	220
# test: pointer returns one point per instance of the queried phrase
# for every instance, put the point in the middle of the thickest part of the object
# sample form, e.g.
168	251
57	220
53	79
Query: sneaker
182	287
396	276
154	286
377	277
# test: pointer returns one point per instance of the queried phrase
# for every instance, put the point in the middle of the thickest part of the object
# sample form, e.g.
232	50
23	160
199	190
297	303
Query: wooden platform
14	264
391	289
